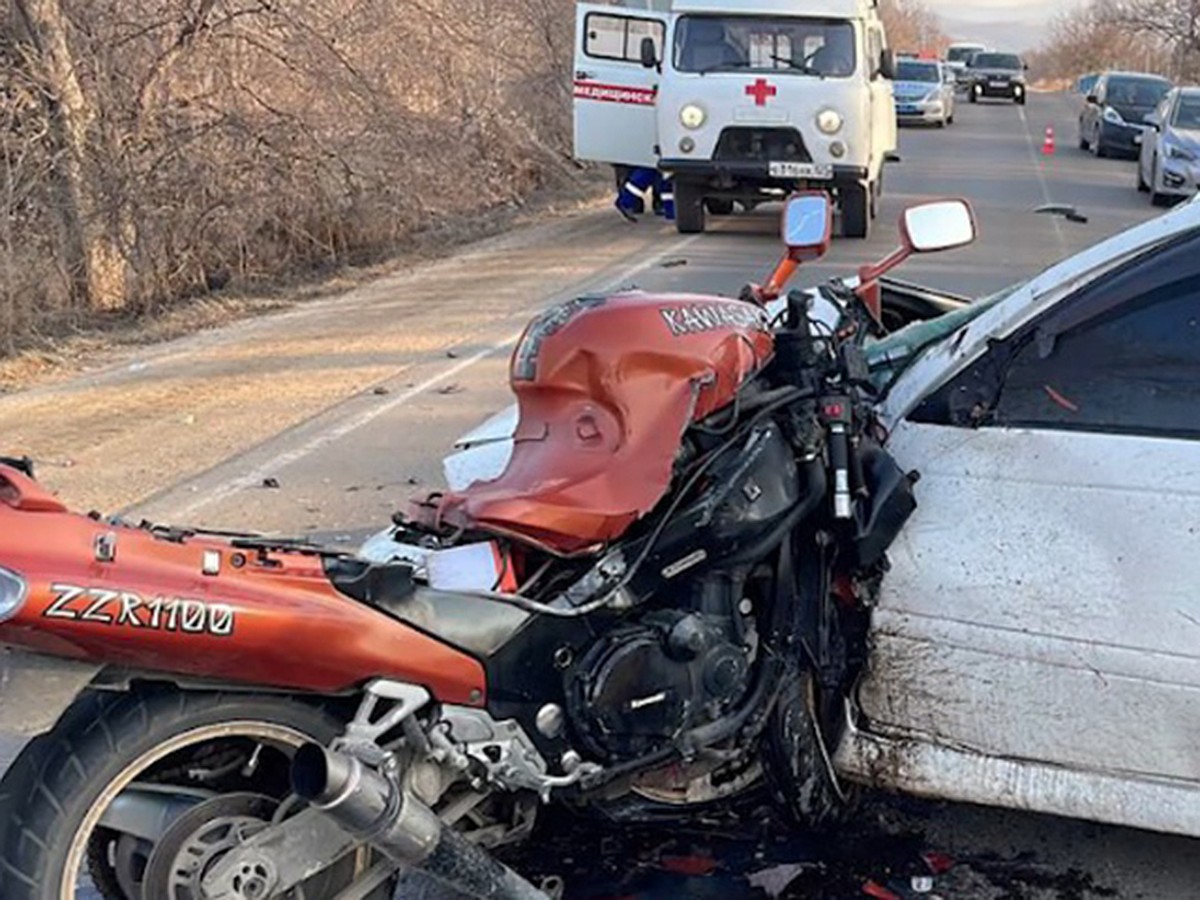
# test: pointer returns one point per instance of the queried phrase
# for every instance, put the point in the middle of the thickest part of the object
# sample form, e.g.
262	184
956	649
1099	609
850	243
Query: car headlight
1112	116
12	594
693	116
829	121
1180	153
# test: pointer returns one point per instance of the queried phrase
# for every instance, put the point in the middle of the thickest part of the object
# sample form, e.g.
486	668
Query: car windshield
912	71
821	47
1187	113
961	54
1135	92
995	61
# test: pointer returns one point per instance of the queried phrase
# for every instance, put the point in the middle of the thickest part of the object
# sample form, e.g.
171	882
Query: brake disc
200	837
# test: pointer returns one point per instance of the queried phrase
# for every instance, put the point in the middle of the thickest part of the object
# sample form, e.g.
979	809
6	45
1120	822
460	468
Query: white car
1169	159
1037	640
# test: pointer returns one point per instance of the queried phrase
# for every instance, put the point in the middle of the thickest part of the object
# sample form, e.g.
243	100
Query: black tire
99	742
796	764
1083	141
719	207
856	211
689	209
1020	100
1098	149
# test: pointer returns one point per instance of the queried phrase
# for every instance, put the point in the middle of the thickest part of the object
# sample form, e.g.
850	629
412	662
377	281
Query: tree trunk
97	264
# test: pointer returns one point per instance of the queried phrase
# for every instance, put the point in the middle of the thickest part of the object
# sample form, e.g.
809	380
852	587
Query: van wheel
856	211
719	207
689	209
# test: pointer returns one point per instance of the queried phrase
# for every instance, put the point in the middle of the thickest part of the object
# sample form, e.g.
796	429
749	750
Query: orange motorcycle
658	605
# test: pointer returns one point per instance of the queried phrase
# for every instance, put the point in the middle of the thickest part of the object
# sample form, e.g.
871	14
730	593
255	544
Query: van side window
620	37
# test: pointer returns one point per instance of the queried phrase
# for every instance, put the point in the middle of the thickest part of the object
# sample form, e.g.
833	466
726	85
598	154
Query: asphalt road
348	404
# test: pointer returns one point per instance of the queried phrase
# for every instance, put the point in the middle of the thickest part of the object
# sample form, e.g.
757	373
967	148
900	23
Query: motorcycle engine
685	660
640	686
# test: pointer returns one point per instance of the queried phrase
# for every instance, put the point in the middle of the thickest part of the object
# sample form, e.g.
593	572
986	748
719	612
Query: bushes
155	148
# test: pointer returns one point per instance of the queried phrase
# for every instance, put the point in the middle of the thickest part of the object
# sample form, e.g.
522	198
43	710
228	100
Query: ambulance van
740	102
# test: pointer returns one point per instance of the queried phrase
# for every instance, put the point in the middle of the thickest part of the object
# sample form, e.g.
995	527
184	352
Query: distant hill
1016	35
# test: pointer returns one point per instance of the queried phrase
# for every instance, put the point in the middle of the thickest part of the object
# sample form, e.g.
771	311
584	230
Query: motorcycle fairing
204	607
606	388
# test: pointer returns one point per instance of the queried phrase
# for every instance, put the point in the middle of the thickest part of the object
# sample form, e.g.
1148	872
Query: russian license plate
907	108
815	171
998	84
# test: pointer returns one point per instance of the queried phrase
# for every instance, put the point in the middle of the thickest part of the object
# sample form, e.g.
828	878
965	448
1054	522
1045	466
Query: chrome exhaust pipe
372	808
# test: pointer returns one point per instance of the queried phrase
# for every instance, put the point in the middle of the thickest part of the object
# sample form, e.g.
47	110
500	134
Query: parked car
1113	117
999	75
1169	162
924	92
958	56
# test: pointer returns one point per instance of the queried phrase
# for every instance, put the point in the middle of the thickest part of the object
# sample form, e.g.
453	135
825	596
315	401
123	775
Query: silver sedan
1169	163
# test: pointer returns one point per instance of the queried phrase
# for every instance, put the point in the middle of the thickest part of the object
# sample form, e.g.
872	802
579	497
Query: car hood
997	73
1187	138
1134	114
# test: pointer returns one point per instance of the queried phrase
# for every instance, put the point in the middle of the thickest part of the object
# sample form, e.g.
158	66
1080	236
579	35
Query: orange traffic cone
1048	145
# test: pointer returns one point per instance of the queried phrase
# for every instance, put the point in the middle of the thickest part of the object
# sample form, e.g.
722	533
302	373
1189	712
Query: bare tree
94	257
191	142
1172	24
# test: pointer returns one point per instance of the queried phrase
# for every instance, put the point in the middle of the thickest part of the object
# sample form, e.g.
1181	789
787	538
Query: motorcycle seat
471	623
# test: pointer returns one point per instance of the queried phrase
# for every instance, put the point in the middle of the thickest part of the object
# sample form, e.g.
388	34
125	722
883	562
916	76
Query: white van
741	101
958	57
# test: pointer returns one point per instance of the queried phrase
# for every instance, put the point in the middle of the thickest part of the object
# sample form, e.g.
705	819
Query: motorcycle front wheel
136	794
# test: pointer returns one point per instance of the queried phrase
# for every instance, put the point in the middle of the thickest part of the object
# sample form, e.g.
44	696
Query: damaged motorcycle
657	603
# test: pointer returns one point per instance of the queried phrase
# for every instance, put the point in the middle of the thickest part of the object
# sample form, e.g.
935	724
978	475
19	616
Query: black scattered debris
883	854
413	481
451	389
271	484
451	354
381	391
674	263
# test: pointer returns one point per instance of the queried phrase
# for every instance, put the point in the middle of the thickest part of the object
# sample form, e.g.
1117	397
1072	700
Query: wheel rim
264	732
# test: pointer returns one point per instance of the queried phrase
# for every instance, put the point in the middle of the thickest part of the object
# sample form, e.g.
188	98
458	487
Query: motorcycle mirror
925	228
933	227
807	230
808	225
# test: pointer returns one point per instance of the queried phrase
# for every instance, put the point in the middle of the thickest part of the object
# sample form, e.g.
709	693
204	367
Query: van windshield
962	54
820	47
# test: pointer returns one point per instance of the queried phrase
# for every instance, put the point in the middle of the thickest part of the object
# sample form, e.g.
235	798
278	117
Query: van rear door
615	94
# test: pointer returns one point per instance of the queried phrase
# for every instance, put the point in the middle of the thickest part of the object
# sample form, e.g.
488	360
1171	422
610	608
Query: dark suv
996	75
1114	116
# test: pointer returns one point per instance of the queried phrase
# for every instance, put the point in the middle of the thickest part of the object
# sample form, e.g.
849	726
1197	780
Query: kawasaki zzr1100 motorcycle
659	602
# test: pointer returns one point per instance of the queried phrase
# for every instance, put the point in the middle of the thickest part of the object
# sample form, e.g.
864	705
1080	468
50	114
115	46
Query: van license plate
816	171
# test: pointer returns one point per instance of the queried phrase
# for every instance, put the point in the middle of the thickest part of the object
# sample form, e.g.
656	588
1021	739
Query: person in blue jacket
640	190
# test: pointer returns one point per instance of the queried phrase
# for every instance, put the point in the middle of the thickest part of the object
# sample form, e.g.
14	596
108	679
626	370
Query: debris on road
451	389
271	484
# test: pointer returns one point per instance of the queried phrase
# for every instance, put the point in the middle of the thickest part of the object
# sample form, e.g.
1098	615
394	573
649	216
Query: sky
994	10
1004	24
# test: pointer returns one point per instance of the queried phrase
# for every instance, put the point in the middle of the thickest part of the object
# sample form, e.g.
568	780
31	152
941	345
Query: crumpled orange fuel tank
607	386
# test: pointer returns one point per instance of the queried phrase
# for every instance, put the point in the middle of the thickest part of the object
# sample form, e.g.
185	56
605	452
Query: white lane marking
320	441
1041	175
